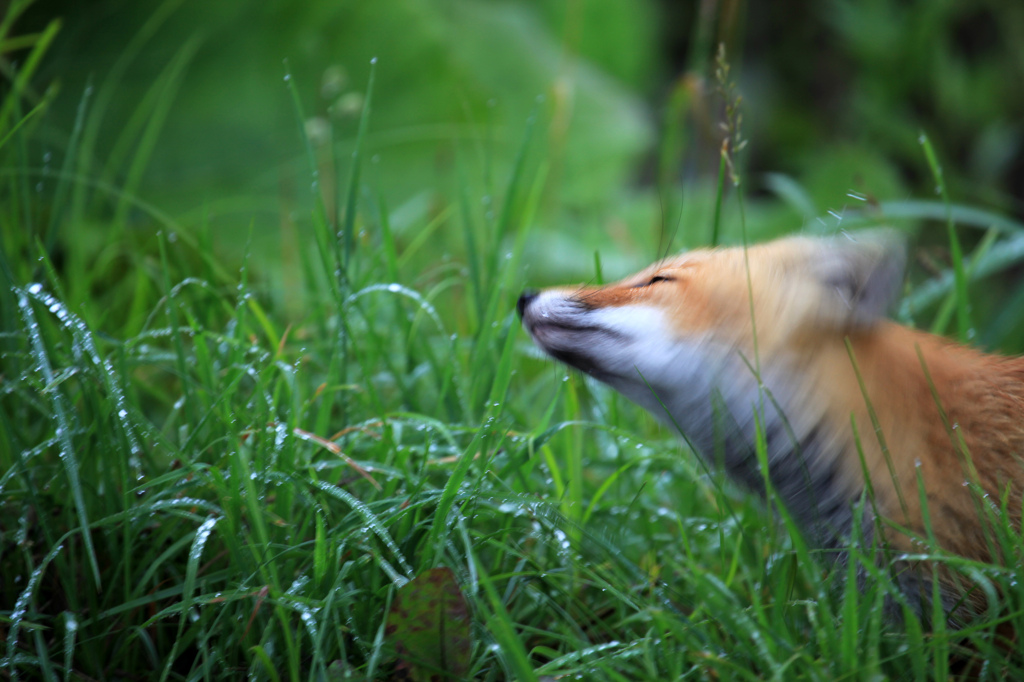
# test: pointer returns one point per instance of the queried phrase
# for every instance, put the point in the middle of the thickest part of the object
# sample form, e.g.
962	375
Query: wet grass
194	486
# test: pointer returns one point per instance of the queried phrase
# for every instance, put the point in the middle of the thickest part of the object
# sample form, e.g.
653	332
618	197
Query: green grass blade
964	329
68	456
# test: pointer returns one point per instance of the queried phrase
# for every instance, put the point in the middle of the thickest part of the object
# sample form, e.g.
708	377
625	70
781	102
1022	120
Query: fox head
720	342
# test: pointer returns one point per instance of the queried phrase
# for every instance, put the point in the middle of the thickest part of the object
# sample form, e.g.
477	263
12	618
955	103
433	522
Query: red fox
790	337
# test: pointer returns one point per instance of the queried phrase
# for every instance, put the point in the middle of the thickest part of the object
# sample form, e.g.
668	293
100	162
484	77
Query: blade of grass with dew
330	253
964	330
68	456
171	311
499	389
24	600
202	535
499	623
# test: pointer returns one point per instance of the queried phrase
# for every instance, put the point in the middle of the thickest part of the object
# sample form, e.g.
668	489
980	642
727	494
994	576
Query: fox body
789	339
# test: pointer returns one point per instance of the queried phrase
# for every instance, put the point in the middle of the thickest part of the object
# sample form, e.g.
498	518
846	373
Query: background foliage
259	366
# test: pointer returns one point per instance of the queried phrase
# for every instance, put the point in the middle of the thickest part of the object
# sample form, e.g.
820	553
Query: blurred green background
190	113
184	343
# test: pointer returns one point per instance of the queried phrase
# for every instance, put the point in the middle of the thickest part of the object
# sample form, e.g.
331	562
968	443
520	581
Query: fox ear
862	275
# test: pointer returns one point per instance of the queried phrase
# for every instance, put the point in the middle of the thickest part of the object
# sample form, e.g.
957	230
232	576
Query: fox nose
525	300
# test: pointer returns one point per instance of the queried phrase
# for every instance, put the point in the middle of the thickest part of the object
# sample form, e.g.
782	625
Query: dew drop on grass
287	77
35	288
310	622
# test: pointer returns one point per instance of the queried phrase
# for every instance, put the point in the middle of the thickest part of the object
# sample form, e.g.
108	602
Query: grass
194	487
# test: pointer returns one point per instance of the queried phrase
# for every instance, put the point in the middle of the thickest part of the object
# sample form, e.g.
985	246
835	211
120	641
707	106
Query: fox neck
734	417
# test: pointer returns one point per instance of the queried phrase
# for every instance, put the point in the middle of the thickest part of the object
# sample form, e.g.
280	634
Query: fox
789	341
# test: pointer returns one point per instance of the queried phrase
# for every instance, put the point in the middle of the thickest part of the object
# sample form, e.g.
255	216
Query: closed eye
654	280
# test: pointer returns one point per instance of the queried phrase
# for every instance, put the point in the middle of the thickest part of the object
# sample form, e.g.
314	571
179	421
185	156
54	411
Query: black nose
525	300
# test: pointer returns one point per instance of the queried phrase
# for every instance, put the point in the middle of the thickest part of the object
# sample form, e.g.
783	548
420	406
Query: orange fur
680	335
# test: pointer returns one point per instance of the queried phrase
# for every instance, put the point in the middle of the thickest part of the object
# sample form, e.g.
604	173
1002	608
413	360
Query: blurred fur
679	339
